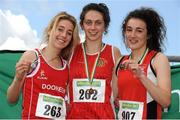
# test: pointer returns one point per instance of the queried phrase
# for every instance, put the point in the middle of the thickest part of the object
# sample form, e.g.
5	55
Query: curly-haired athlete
144	84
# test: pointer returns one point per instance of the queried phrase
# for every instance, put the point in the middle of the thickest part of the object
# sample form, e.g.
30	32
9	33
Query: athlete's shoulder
29	55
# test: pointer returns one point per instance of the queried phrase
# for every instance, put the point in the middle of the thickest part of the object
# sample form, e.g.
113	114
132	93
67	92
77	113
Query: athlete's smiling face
62	34
136	33
93	25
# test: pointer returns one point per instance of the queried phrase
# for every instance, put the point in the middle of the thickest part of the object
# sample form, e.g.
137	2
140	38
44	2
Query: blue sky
37	14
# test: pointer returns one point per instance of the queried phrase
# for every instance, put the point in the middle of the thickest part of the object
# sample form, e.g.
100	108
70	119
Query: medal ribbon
143	56
90	78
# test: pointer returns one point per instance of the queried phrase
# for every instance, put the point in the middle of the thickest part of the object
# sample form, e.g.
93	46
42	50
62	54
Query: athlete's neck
137	54
52	57
93	47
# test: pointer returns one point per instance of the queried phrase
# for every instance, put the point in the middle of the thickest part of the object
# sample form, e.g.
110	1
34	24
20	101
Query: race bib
130	110
84	91
49	106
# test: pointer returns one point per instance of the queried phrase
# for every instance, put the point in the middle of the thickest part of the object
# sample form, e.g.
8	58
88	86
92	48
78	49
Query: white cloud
11	42
16	32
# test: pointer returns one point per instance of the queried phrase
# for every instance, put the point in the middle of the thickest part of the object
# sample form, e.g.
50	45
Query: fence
174	58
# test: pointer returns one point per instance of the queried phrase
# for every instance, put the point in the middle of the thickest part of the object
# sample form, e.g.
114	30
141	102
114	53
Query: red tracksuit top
131	89
93	109
44	80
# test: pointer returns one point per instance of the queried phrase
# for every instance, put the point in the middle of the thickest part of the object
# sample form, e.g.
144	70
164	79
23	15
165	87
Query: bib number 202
87	94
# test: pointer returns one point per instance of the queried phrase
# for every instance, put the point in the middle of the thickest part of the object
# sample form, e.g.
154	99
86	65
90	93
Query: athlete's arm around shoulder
117	55
162	68
23	66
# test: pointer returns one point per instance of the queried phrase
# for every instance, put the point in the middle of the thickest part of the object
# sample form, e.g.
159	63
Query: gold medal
91	91
122	66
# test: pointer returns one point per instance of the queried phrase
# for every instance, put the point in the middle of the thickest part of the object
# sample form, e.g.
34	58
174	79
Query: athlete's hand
22	68
116	103
136	68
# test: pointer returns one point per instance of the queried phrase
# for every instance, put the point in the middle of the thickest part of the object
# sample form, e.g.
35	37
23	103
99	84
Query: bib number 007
128	115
